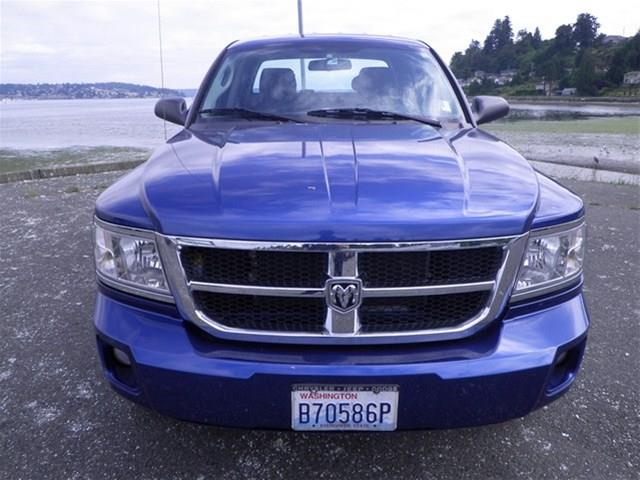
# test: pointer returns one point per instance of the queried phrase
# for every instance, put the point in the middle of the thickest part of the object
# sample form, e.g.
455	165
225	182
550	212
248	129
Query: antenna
300	29
164	121
303	76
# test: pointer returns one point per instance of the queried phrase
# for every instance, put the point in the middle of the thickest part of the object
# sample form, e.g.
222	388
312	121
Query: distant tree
497	50
552	70
505	36
616	70
564	39
524	41
585	30
464	64
491	41
536	40
500	36
586	74
458	65
522	35
632	51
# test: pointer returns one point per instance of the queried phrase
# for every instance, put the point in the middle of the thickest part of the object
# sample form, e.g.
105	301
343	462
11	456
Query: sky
112	40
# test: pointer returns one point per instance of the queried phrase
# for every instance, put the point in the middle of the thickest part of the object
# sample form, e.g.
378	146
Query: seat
374	81
277	87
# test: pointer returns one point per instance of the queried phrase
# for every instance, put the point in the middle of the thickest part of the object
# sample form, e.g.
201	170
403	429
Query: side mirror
172	109
488	108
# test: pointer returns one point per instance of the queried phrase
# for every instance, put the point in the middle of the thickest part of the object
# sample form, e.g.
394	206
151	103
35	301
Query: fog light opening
564	369
562	359
119	366
121	357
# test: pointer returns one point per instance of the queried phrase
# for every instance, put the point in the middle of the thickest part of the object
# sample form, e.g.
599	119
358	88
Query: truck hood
338	182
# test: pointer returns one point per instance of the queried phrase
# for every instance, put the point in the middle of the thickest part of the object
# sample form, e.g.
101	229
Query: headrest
373	80
277	82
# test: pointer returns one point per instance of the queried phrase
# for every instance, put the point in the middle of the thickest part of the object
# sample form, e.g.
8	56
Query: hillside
578	60
81	90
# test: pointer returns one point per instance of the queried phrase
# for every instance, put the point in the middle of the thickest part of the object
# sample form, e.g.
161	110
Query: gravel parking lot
59	419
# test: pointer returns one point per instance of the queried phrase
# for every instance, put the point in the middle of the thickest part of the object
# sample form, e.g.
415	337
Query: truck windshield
293	80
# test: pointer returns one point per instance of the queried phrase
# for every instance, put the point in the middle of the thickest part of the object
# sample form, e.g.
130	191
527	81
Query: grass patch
600	125
31	194
12	160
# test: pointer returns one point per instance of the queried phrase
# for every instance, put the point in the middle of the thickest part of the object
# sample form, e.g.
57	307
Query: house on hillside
632	78
505	76
478	77
613	39
543	87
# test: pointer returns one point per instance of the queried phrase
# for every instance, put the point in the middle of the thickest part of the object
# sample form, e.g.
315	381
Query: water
55	124
569	111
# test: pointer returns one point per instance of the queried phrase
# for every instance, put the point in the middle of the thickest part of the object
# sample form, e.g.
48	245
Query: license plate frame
311	410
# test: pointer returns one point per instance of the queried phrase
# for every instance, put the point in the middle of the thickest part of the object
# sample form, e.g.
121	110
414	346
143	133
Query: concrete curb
605	164
569	172
67	171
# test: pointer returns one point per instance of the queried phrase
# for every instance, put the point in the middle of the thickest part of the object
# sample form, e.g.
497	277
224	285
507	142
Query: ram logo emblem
344	295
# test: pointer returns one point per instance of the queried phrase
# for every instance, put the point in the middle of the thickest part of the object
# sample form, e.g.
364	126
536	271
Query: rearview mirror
488	108
172	109
329	64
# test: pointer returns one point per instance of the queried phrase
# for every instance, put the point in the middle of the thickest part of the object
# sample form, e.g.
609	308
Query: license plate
344	407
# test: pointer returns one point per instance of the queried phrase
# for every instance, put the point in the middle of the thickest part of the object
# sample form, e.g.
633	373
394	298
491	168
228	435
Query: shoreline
603	101
533	99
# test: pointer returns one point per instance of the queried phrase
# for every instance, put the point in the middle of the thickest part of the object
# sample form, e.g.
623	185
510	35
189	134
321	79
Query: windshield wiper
368	113
248	114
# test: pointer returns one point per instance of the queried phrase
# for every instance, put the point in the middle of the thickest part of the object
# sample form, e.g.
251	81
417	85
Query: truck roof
364	39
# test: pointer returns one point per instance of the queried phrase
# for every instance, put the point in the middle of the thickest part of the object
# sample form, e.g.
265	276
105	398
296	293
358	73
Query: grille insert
390	314
412	269
254	267
273	314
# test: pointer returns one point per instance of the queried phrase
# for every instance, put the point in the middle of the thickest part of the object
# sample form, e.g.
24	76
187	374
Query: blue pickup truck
332	243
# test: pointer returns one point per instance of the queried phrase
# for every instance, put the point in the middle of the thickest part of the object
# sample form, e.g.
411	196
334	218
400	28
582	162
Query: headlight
551	260
128	259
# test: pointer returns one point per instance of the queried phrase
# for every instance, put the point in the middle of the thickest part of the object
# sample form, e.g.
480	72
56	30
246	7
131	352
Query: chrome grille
293	292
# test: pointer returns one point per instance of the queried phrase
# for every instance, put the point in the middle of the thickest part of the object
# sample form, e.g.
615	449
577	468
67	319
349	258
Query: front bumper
519	364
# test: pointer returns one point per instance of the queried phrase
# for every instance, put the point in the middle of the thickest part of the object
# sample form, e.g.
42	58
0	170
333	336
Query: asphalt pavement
59	418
